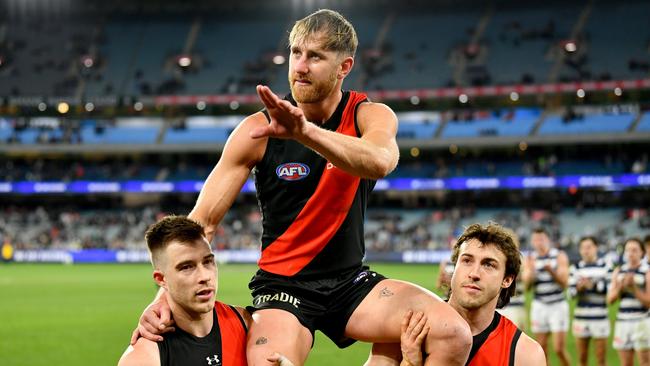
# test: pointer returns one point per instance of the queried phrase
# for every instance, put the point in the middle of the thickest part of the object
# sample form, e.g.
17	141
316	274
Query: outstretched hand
287	121
154	321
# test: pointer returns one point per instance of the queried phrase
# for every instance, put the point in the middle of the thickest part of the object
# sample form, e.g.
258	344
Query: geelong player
588	283
546	270
630	284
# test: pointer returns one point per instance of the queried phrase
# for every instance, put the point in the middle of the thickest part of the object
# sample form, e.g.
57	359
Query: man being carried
316	155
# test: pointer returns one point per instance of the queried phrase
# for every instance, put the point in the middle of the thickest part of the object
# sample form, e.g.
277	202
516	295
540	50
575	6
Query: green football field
84	314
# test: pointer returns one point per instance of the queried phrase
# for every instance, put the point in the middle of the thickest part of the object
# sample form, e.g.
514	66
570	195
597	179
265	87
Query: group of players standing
596	284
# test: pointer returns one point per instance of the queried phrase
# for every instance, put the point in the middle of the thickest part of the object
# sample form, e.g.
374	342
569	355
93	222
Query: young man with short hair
487	262
208	332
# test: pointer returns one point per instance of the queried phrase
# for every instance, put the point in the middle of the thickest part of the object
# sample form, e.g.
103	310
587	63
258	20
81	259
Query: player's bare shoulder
529	352
371	111
143	353
250	123
241	145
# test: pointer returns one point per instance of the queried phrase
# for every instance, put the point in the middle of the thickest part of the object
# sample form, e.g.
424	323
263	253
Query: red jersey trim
322	215
499	347
233	335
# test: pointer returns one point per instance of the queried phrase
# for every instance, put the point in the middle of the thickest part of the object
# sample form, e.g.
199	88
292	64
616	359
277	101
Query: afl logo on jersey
292	171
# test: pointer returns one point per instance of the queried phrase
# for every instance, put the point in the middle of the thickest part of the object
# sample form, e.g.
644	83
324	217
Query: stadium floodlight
63	107
570	46
88	61
279	60
184	61
514	96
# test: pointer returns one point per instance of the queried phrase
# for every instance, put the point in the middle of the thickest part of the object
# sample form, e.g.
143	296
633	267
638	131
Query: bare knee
452	334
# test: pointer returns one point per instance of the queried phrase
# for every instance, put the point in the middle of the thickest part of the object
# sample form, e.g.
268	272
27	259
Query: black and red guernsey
312	211
225	345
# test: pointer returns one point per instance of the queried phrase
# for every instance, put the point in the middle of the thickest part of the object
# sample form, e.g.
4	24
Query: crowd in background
387	230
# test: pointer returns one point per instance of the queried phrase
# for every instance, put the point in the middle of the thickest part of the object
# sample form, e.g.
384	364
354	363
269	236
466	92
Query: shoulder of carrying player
245	315
143	353
529	352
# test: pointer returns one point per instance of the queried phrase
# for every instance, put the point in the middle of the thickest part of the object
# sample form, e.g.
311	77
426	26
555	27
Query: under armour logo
214	359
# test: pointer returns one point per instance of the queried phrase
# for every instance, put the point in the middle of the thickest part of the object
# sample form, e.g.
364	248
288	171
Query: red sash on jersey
322	215
499	348
233	336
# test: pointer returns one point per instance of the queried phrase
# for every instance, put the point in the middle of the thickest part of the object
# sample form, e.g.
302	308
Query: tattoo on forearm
261	340
385	292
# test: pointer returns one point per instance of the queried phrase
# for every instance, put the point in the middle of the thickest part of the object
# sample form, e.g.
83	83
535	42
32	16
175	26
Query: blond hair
339	35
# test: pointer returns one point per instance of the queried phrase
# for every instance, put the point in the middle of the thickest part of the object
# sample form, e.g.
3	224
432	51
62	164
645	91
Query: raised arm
240	154
374	155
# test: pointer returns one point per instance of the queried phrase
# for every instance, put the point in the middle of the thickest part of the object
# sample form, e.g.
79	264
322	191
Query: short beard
316	92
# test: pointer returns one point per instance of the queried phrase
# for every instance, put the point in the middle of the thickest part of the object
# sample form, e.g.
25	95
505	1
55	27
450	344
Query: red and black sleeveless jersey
495	346
225	345
312	212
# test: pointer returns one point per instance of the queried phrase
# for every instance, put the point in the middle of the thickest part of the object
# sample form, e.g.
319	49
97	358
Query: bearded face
313	70
309	88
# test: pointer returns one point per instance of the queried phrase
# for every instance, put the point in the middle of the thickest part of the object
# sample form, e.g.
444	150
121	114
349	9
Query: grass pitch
84	314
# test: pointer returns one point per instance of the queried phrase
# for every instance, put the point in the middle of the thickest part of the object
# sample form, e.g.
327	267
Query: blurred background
112	114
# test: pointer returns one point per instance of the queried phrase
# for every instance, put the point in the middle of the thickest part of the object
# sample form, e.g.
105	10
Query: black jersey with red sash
496	345
225	345
312	211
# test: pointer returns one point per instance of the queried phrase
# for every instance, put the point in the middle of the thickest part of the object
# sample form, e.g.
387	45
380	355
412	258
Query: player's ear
346	66
159	277
507	281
